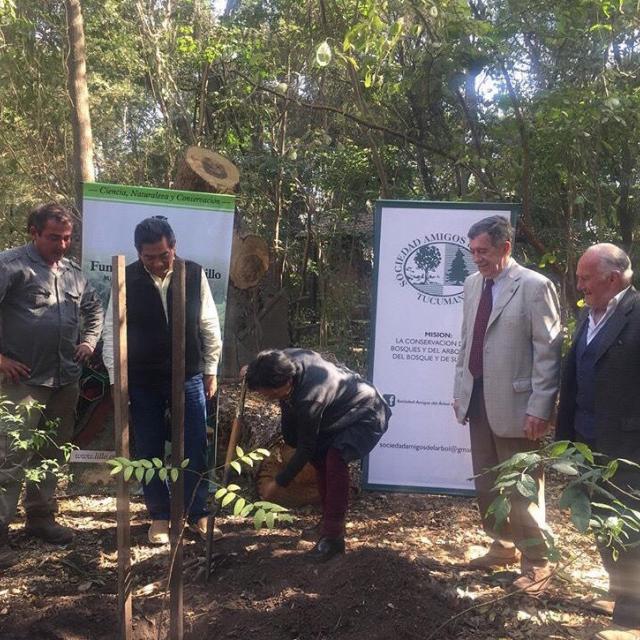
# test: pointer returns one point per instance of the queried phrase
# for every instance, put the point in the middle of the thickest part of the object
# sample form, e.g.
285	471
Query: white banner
202	222
422	259
90	456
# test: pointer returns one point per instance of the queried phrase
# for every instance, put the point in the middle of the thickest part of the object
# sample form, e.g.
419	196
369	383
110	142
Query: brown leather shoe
47	529
496	556
618	633
534	580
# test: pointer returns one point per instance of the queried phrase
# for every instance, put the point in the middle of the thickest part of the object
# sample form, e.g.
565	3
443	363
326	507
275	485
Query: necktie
479	329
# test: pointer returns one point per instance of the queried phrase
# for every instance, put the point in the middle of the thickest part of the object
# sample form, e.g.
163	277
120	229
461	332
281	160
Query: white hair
613	258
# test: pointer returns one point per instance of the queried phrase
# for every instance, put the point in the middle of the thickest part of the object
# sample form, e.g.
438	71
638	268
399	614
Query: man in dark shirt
331	416
51	321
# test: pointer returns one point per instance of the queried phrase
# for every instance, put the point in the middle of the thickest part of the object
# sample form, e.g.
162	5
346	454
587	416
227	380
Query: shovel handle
235	432
231	450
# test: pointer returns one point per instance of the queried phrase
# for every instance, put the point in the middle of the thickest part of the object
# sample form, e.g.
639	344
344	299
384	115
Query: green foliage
326	107
596	501
264	513
7	10
323	54
32	440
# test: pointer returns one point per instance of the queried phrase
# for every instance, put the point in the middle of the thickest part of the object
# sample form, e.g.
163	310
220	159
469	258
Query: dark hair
498	228
152	230
39	217
270	370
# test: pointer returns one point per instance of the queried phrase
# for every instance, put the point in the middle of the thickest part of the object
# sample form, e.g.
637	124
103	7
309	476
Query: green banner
158	197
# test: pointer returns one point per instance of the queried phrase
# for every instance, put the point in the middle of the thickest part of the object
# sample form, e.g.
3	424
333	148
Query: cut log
207	171
249	260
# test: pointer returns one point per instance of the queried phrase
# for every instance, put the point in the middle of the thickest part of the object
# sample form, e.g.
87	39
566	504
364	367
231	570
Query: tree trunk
624	210
79	96
385	191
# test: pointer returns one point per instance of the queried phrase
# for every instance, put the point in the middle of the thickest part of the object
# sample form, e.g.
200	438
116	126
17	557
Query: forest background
326	106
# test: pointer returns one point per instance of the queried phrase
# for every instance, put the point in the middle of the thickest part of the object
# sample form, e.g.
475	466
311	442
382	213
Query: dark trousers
333	486
148	407
624	573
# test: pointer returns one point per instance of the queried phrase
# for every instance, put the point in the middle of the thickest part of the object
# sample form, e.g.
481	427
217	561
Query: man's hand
13	370
270	489
243	371
535	428
83	353
456	405
210	386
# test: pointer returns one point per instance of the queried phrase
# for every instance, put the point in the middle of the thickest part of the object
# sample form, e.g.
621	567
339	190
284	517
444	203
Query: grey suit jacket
521	355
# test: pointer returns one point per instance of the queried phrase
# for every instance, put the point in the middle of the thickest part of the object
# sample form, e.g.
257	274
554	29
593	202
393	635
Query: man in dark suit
600	403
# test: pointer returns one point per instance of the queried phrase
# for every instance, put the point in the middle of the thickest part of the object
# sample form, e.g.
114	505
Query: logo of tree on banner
427	257
458	270
435	266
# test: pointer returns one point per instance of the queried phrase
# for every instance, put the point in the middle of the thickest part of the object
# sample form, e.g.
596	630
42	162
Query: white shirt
594	327
209	325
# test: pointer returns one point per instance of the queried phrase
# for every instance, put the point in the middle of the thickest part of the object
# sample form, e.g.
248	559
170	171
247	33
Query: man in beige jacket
505	388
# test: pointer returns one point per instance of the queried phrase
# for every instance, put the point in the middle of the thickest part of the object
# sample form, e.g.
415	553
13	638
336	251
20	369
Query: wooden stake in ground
121	420
176	584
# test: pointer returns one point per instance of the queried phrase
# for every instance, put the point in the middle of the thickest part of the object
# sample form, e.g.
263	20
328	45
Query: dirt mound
368	593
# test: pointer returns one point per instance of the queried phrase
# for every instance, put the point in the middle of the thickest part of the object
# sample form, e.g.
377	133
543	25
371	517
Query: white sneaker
159	532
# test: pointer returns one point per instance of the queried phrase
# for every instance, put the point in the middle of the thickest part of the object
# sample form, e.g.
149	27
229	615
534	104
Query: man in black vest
600	404
149	295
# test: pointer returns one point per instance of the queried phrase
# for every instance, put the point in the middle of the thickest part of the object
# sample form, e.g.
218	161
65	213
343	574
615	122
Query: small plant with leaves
596	502
264	513
15	419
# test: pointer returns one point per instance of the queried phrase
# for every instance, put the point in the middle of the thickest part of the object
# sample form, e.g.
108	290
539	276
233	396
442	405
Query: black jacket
330	406
617	396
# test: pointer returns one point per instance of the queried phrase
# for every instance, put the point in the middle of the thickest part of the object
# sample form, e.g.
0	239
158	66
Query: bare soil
404	576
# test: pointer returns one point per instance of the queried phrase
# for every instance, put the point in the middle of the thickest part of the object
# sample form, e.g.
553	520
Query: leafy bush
596	503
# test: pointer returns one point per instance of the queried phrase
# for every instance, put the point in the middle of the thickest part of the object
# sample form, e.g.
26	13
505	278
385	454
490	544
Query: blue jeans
148	406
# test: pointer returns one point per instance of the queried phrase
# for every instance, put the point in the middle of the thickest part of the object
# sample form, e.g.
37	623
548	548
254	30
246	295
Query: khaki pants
60	403
526	521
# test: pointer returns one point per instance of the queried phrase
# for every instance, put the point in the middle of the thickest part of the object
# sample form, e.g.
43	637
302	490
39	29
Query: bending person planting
331	416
